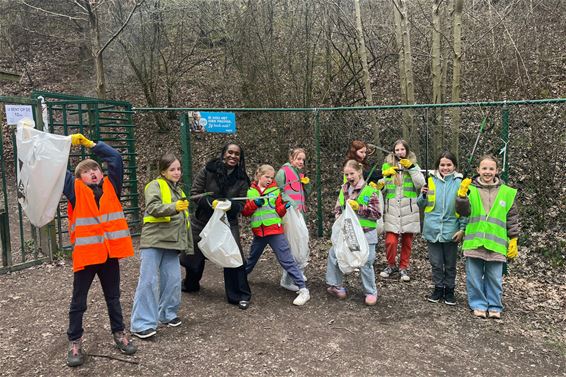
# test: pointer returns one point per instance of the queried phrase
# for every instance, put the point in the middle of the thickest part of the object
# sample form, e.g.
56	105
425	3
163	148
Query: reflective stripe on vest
294	188
165	199
97	232
489	230
409	189
362	199
431	197
266	214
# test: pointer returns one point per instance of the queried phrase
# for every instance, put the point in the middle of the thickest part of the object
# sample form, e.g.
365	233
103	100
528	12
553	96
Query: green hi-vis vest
431	197
266	214
489	231
362	199
409	190
165	199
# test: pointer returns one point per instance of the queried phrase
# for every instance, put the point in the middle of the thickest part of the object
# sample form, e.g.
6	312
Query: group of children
481	212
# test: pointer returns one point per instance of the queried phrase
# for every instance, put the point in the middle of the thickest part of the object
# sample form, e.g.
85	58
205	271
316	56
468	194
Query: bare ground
402	335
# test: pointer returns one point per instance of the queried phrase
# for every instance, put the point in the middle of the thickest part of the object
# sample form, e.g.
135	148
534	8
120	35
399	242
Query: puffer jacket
215	178
401	215
172	235
441	223
488	193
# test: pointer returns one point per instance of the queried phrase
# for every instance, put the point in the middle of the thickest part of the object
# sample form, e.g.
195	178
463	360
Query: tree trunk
456	73
436	69
97	53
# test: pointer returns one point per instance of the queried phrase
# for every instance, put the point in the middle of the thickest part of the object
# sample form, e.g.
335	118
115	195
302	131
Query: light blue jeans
158	295
334	275
484	282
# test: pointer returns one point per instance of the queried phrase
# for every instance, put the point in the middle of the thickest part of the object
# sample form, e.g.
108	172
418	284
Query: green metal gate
99	120
23	245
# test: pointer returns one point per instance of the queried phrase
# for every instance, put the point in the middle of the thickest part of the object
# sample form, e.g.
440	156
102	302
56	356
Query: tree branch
121	28
52	13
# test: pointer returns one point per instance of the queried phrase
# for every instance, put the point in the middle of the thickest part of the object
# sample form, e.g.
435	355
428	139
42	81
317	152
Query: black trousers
109	276
235	279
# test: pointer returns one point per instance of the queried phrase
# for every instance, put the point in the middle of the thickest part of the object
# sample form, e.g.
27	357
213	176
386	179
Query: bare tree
456	73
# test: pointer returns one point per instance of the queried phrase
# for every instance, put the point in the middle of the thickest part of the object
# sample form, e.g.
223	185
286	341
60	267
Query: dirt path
403	335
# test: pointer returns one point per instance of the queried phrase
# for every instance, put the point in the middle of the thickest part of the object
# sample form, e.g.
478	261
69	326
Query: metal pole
187	152
505	137
318	180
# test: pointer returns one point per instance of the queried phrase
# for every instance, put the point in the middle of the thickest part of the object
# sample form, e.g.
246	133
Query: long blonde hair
262	169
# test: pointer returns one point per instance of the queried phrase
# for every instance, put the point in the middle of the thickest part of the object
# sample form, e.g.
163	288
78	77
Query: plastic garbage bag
42	165
297	234
217	242
349	241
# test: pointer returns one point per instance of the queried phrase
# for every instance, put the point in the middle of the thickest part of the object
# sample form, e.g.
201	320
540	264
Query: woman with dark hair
224	176
358	151
165	234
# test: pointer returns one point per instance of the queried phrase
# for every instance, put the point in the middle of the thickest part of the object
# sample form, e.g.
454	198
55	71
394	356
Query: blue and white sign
218	122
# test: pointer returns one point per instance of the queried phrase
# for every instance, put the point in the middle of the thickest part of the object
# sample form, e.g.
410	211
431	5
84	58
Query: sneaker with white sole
388	271
174	322
302	297
404	275
144	334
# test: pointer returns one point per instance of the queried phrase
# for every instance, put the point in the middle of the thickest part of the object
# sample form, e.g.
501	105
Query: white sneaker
290	287
404	275
303	297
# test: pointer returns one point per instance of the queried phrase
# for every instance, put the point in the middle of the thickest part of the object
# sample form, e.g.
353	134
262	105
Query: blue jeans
158	295
334	275
484	282
280	246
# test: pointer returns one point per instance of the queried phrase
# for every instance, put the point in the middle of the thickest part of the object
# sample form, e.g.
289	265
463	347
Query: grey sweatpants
442	257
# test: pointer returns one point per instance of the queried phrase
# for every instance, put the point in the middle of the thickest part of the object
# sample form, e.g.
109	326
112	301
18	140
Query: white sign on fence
16	112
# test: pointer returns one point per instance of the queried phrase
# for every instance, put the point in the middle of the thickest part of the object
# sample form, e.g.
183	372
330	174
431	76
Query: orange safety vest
294	188
97	233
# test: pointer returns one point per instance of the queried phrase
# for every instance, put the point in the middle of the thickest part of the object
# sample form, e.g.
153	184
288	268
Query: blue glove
287	205
259	202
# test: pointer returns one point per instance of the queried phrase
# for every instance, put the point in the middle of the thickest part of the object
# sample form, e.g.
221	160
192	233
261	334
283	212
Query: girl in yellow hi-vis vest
364	201
266	208
490	238
165	235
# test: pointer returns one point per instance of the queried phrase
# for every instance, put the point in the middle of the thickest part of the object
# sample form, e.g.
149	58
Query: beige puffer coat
401	215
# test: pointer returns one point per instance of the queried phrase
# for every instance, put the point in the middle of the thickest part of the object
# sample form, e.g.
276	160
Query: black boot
449	298
436	295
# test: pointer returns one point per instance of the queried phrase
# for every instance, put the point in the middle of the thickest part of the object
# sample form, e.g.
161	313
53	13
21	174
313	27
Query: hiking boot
449	298
480	313
494	315
75	355
339	292
144	334
371	300
302	298
404	275
124	344
437	294
290	287
174	322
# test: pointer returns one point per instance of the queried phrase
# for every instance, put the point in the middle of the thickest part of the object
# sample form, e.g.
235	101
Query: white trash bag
349	242
297	234
217	242
42	165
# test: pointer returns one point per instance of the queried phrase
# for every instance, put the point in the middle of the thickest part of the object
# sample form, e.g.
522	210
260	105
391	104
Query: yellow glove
405	163
181	205
390	171
463	190
512	250
305	180
355	206
378	186
80	139
214	203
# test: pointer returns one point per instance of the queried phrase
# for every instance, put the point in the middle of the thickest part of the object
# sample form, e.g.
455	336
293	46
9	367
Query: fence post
187	152
318	180
505	138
